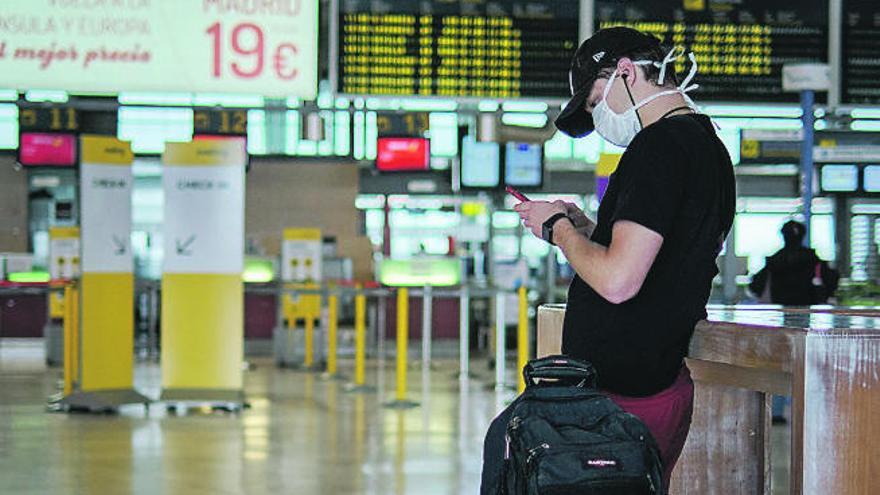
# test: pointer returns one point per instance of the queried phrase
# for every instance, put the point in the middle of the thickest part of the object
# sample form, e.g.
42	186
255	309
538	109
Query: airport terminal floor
303	434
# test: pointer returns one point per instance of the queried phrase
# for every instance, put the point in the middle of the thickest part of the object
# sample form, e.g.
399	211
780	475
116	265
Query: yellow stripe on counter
63	232
202	331
106	150
107	331
205	153
302	234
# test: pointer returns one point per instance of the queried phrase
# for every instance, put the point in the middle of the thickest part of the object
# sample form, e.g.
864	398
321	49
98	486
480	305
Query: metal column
427	307
463	333
500	341
807	119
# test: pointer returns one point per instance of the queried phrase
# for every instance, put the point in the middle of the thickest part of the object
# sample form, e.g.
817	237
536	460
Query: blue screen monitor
480	164
871	182
840	178
523	165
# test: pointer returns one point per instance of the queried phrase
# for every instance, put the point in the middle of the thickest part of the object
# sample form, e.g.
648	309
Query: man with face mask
645	267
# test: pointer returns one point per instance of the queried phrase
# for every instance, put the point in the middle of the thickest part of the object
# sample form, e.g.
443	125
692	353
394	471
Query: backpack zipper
651	484
512	425
514	422
533	452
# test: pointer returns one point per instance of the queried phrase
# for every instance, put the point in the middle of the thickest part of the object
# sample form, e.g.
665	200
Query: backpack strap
562	368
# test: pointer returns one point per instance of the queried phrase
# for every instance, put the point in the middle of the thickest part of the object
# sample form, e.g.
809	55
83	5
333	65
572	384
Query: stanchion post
463	333
427	307
400	401
381	327
500	338
332	327
68	340
402	341
153	335
522	337
360	340
290	316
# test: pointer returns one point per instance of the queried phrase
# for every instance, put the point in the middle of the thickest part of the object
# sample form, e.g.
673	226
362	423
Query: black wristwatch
547	227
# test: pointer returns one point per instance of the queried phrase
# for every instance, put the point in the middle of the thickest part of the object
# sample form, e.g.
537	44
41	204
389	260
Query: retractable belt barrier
330	295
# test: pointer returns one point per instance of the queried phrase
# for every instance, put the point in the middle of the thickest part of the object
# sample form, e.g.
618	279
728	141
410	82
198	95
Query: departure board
860	77
740	45
458	48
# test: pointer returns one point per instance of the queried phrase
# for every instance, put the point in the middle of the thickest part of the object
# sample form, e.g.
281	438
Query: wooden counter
829	362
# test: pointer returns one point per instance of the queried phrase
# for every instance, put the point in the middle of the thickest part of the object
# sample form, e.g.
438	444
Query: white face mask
621	128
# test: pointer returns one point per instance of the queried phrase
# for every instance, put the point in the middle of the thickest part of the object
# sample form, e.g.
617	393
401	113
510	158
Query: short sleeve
652	183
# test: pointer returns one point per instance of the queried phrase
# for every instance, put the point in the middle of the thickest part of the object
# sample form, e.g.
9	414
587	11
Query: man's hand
581	221
535	213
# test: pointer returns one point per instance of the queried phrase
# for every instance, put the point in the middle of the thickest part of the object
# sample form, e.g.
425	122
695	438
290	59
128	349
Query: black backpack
565	437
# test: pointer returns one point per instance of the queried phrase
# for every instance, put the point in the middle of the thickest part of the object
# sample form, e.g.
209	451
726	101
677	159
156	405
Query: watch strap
547	226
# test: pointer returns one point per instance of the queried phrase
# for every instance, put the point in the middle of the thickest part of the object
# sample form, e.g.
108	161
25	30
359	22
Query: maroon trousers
667	414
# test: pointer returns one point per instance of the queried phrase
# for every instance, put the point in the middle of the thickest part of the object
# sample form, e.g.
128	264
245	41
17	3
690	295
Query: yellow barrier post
288	310
402	347
75	337
308	307
360	342
332	326
309	360
291	330
522	337
402	341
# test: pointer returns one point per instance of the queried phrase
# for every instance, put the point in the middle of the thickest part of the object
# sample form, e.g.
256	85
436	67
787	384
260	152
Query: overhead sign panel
860	60
740	45
501	48
266	48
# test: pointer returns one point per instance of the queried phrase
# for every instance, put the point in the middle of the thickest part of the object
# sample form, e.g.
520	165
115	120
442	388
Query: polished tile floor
304	434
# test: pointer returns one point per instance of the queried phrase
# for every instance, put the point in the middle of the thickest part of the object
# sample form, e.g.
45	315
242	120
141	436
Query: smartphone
516	194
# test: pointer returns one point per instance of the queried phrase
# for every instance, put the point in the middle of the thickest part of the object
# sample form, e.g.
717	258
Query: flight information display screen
871	181
402	154
861	58
840	178
480	164
523	164
740	45
464	48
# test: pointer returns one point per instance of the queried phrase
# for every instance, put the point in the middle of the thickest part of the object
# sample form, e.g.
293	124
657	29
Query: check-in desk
827	360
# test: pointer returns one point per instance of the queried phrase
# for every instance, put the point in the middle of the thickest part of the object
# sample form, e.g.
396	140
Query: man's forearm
589	259
618	271
586	230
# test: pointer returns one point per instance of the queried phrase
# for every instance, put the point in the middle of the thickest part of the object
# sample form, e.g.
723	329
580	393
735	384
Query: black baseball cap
601	50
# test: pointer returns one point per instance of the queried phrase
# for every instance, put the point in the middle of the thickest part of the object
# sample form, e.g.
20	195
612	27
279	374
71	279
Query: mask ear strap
670	57
608	86
691	73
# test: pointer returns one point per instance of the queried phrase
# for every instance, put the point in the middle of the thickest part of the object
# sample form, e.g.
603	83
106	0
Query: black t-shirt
676	179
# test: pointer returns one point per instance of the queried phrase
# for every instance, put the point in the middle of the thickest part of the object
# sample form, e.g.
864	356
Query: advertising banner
267	48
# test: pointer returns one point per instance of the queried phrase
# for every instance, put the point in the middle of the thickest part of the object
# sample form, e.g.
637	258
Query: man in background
795	275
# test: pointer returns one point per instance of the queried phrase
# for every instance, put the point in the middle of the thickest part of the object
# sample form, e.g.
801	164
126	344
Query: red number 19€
249	47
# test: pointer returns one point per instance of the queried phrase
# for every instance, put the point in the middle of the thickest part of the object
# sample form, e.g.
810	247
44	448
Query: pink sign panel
38	148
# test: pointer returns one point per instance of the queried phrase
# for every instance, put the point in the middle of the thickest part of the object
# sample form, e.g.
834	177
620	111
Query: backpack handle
561	368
